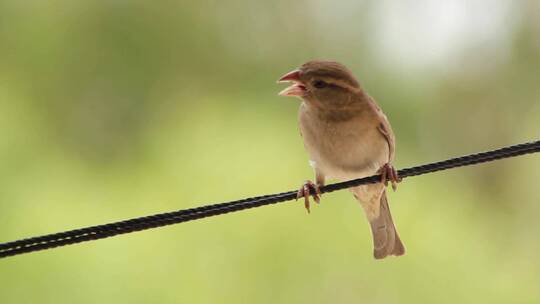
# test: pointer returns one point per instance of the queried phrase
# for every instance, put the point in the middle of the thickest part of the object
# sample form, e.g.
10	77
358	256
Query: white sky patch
425	33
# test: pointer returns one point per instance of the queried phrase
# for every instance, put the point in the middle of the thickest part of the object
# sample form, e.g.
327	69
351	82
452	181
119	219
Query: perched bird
347	136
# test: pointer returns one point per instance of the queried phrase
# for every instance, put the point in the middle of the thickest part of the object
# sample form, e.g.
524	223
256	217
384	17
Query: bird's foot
307	189
389	173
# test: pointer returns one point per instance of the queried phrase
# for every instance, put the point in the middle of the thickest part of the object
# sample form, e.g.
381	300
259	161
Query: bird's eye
319	84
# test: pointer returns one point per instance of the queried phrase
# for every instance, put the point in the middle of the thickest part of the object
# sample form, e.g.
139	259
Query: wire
164	219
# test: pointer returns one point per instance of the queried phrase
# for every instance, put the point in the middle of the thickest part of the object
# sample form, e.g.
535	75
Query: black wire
164	219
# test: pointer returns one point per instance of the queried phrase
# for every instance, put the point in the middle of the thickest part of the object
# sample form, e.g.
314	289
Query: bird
347	136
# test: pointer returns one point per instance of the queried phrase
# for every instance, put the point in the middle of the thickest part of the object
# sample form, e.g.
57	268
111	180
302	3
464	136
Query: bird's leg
306	190
389	173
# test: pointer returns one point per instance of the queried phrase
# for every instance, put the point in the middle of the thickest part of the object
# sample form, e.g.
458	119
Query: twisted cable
164	219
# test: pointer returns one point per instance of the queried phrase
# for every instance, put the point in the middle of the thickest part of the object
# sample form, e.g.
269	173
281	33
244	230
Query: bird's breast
343	149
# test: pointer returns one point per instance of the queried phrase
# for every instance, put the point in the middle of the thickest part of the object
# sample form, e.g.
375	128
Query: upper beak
297	89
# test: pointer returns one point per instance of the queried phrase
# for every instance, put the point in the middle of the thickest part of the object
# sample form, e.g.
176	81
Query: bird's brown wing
385	128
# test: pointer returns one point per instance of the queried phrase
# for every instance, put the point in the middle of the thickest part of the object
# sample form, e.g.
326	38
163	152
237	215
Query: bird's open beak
297	89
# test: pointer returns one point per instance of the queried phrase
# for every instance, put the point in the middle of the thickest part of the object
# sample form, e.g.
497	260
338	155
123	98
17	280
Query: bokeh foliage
117	109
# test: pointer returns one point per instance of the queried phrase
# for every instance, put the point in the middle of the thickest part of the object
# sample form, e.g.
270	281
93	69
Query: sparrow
347	136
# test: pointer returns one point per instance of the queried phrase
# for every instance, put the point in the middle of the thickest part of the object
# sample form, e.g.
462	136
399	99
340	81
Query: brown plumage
347	136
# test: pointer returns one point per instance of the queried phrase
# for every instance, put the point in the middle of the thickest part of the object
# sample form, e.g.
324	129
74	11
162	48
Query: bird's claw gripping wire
306	190
389	173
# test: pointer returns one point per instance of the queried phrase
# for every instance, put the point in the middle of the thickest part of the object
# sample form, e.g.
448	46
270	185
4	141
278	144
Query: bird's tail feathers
386	240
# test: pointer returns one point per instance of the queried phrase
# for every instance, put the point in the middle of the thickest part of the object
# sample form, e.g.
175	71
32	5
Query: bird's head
325	84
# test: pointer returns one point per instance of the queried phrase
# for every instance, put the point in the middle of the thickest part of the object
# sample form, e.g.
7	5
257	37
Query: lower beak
294	90
297	89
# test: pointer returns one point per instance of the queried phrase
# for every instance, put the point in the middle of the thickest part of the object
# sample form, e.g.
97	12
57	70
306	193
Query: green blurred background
117	109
